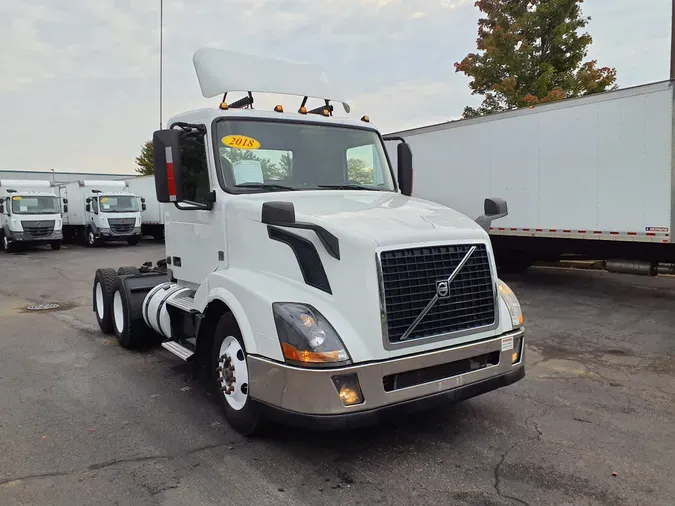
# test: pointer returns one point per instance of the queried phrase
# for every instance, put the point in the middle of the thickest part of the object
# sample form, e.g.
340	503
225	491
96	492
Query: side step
186	304
178	350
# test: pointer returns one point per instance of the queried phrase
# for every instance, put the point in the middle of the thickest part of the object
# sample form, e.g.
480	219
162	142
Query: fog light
348	389
517	345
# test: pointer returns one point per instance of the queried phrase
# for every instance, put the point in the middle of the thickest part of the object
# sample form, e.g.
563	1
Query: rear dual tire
104	281
128	324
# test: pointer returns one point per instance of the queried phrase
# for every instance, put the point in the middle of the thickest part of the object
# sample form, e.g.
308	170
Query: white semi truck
306	291
588	178
101	211
152	215
30	214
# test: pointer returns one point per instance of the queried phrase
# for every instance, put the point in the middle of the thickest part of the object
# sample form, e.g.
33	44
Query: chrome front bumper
311	392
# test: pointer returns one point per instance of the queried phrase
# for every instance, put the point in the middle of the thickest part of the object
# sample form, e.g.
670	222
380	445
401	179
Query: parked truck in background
30	214
590	178
152	216
304	296
101	211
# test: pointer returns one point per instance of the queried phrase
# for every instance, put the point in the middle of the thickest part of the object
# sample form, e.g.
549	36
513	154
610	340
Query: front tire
92	241
7	246
56	245
133	241
104	280
229	368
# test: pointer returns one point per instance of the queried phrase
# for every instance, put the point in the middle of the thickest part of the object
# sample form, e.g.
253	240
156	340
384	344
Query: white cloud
78	79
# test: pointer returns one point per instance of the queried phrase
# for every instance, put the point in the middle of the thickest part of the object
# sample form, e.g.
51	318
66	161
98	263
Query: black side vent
308	258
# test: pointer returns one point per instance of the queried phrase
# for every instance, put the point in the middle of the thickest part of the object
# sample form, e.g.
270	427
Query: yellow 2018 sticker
240	142
104	199
16	198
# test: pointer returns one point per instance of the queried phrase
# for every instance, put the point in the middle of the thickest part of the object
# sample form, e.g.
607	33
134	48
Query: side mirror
405	168
494	209
65	201
88	200
142	199
168	176
2	208
143	206
65	208
278	213
87	208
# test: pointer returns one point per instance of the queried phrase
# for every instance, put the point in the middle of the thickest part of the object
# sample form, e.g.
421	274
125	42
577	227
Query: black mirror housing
168	176
494	207
65	201
87	208
88	200
405	168
65	208
2	208
143	207
278	213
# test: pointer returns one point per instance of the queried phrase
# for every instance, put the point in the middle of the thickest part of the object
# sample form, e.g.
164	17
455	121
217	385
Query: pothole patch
43	307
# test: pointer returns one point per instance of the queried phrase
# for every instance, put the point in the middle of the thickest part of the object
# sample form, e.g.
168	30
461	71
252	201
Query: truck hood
387	218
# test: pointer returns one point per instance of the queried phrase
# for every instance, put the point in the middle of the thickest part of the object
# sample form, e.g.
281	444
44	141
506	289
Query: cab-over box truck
152	215
585	178
101	211
309	291
30	214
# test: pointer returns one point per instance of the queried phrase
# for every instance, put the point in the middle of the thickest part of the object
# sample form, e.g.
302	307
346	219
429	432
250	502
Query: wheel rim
99	301
118	312
91	238
233	373
5	243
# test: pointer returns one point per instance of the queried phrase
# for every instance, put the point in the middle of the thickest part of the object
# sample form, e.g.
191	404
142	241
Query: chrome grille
37	229
122	225
409	280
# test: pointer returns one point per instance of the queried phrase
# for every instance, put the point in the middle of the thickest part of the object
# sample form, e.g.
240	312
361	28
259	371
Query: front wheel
7	246
133	241
56	245
92	241
231	377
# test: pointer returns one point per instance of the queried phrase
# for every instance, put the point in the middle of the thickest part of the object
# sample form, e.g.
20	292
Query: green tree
531	52
270	169
358	171
145	162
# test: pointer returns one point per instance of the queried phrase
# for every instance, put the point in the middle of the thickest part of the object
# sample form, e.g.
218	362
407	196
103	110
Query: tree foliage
359	172
531	52
145	162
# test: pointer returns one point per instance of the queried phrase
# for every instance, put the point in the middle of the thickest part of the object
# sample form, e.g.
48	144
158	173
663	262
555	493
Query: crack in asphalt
111	463
497	469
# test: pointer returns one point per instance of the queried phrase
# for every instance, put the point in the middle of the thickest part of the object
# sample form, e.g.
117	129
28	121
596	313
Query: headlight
307	339
105	230
511	303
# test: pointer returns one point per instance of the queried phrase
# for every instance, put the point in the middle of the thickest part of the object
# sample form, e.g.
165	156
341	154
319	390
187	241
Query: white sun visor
219	71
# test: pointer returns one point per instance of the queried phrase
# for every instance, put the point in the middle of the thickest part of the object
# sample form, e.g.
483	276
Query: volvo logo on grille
442	288
442	291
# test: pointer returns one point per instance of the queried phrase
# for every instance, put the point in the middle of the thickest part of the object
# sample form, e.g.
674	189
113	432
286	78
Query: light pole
161	54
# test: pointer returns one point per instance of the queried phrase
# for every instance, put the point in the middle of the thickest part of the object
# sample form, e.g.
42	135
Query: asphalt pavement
83	421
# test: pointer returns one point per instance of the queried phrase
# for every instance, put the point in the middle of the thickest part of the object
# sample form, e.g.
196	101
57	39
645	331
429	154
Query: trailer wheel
122	271
128	324
230	375
104	280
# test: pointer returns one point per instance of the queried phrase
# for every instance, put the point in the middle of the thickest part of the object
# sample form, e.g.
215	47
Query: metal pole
161	55
672	41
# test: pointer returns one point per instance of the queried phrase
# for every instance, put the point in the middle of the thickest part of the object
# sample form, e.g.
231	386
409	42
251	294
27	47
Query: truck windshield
118	204
271	155
29	204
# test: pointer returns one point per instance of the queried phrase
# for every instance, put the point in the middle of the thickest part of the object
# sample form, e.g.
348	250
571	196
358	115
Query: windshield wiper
348	186
264	186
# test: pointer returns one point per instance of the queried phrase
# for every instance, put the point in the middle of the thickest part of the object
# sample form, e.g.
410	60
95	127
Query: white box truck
30	214
306	296
100	211
589	177
152	217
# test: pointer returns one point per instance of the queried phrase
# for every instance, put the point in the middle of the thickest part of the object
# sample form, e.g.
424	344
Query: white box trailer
30	214
152	218
590	176
101	211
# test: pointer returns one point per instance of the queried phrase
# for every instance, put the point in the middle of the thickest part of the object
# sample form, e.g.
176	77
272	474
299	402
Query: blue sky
79	78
